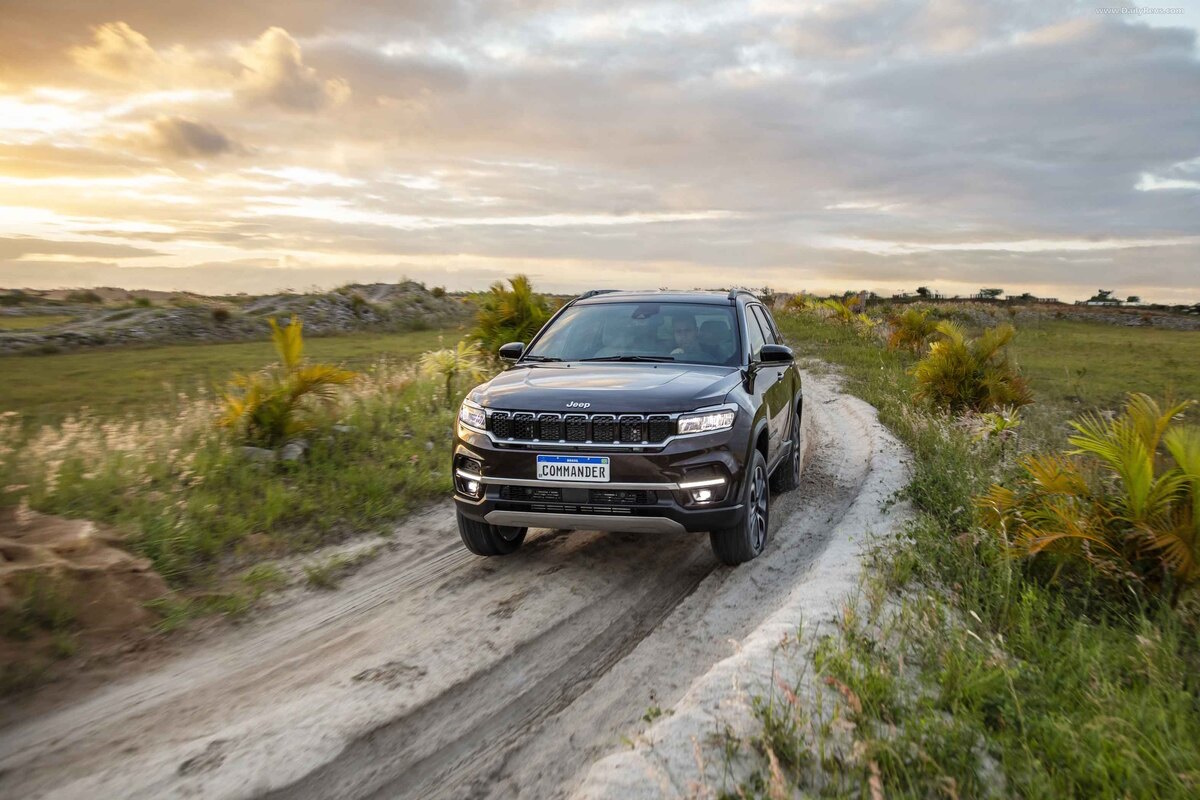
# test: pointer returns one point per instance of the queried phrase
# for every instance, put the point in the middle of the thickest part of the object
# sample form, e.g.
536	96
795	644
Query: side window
764	322
769	325
754	331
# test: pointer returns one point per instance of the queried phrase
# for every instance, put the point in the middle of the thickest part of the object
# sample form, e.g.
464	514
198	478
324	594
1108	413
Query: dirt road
434	673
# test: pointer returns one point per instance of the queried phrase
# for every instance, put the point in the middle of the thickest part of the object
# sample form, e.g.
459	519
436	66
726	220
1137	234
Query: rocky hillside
48	322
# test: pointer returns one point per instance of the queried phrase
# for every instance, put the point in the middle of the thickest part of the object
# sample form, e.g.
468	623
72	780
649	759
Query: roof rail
594	292
733	293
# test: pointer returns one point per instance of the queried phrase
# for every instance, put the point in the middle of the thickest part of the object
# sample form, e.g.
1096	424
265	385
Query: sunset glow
228	147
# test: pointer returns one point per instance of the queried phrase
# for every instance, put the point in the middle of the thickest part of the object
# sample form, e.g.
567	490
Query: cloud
185	138
770	142
21	246
117	52
274	72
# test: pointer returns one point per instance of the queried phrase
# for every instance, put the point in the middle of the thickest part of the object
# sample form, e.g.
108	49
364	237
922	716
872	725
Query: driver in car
687	341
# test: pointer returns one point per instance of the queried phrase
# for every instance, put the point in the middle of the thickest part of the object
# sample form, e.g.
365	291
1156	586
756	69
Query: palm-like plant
451	363
911	329
270	407
999	425
1126	500
798	302
970	374
840	310
510	314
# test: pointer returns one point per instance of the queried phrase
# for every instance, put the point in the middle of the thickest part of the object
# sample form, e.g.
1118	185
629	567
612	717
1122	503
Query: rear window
697	333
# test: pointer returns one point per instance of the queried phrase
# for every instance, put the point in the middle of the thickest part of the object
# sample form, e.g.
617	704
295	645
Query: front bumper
643	493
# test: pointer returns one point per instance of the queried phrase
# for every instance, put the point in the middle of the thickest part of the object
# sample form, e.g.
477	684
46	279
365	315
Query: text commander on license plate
573	468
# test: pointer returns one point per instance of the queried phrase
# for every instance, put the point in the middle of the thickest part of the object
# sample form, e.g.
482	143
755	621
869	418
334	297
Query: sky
226	146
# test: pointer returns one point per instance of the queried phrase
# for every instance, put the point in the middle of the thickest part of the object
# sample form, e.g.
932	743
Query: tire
483	539
787	474
746	540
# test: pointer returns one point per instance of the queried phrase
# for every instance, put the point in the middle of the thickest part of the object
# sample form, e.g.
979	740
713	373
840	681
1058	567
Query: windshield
696	333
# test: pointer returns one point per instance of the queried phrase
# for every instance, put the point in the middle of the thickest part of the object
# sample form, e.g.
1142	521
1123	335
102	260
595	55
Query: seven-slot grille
582	428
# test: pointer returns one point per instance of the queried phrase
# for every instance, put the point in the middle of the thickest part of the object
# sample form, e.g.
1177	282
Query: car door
787	387
770	379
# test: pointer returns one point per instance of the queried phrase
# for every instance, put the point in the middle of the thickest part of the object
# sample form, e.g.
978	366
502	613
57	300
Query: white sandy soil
434	673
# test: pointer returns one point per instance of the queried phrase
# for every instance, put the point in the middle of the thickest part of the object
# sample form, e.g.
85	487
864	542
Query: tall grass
971	673
187	498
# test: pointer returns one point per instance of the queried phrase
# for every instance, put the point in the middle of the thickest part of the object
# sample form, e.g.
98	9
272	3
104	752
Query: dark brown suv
634	411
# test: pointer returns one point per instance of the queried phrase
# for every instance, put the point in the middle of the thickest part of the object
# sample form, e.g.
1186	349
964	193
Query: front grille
658	427
576	427
501	424
633	429
533	426
531	494
562	508
550	428
619	497
523	425
604	428
595	497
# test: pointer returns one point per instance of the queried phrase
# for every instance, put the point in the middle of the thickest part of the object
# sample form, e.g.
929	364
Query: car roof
707	297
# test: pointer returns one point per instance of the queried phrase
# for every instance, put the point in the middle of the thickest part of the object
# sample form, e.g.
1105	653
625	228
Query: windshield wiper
541	358
630	358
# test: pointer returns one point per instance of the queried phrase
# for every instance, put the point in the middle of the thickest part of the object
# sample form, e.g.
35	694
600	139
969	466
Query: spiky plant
911	330
841	311
511	314
999	425
798	302
961	374
451	363
268	408
1126	500
865	325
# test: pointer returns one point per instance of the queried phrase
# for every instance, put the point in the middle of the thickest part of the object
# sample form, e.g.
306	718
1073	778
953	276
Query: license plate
590	469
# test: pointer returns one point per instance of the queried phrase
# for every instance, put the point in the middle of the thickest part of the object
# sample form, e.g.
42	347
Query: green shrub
911	329
89	297
840	311
268	408
220	314
142	302
970	374
1126	501
358	304
438	291
798	302
510	315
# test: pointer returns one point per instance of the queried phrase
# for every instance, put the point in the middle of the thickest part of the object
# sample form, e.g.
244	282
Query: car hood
608	388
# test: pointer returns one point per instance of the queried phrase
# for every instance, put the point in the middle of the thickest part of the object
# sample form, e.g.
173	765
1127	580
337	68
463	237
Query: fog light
702	495
468	477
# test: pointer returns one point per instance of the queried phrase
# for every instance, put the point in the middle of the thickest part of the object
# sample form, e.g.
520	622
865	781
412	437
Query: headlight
472	416
707	421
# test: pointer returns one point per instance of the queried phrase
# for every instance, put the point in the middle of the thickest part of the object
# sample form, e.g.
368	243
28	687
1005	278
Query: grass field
966	672
32	322
45	388
1095	365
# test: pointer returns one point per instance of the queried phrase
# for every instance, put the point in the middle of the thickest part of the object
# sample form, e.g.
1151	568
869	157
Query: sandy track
433	673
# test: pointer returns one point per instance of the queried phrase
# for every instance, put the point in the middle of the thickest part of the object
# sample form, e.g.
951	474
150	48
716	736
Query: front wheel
746	540
483	539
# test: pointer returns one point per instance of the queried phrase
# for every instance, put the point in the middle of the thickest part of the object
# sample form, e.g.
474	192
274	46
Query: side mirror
776	354
512	351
